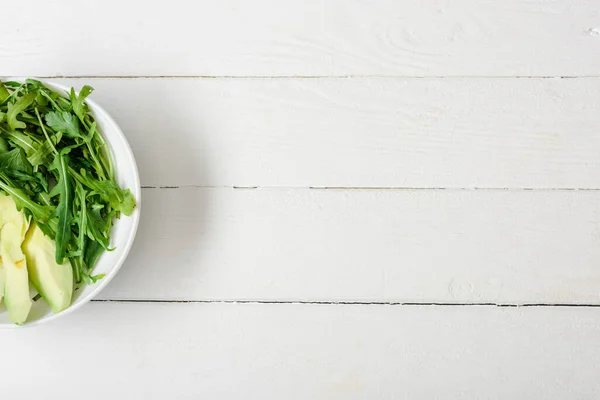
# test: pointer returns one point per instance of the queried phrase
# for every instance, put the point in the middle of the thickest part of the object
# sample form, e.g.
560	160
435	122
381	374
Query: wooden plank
506	247
360	132
259	351
272	38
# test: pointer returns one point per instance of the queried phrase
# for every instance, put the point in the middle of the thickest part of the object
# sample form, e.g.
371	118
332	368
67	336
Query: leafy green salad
58	195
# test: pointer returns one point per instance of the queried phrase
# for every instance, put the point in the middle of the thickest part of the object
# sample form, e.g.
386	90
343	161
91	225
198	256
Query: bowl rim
97	110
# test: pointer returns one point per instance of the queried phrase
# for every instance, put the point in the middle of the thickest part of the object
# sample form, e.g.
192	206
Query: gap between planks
352	303
541	189
259	77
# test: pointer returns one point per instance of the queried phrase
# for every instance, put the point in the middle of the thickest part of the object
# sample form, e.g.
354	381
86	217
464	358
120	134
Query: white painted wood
510	247
285	242
229	351
270	37
360	132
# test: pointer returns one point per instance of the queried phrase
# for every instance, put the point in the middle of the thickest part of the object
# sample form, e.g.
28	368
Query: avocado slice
13	226
53	281
2	281
16	294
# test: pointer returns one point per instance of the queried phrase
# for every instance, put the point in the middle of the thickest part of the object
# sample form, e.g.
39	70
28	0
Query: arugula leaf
40	213
120	199
96	278
82	222
97	229
50	97
93	252
78	102
63	210
41	155
17	108
41	183
64	122
3	92
41	100
13	84
45	197
48	140
97	165
35	84
15	160
3	145
23	141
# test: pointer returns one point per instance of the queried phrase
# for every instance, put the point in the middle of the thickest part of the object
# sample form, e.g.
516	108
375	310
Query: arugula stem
45	199
50	99
45	133
98	166
75	264
83	221
14	94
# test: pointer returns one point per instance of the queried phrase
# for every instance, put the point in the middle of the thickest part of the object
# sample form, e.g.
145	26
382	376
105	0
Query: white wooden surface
447	246
360	132
307	38
343	199
302	351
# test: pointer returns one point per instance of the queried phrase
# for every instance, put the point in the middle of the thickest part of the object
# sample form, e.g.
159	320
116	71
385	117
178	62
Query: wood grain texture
341	93
273	38
365	245
216	351
503	133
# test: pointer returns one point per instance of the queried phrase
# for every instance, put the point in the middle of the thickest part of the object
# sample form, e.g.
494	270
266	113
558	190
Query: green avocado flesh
16	286
28	255
53	281
2	281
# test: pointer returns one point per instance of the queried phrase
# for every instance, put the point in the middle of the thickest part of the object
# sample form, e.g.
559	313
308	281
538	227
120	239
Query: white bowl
123	231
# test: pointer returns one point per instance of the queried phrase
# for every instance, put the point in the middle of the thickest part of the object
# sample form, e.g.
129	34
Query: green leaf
92	153
120	199
37	182
13	84
78	102
41	155
40	213
3	145
35	84
41	100
23	141
17	108
64	122
82	222
45	198
63	211
15	160
3	92
97	229
51	97
96	278
93	252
